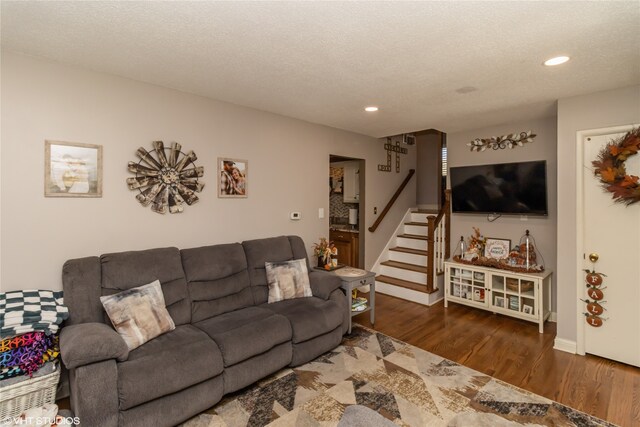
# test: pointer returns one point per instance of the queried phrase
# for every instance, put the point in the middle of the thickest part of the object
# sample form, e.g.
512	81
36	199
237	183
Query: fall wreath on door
611	171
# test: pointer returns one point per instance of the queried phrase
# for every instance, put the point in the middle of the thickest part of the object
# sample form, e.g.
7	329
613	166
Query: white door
612	230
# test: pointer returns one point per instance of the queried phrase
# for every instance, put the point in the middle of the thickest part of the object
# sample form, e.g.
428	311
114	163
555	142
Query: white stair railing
438	237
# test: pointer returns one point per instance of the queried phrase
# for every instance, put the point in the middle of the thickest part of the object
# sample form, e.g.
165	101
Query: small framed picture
478	295
72	169
514	304
498	302
456	290
497	248
527	309
233	176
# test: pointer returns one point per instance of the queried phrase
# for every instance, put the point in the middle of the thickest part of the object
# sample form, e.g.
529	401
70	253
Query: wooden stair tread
405	266
404	283
413	236
409	251
419	224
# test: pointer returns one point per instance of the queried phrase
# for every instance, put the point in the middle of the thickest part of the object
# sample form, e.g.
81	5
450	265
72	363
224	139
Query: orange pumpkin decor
594	279
595	321
595	293
593	307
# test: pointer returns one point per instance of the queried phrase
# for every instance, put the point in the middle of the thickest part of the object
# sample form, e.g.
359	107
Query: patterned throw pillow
288	280
139	314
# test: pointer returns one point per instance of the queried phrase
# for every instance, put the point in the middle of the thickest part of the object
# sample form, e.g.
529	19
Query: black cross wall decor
392	149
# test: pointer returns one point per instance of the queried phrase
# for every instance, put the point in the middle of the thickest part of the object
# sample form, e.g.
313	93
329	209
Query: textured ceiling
324	61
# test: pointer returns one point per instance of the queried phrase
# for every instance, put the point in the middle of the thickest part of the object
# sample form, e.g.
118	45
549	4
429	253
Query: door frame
362	200
580	253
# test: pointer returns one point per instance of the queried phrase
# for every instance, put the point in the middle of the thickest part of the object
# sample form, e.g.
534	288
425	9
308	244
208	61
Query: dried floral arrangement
324	249
610	168
500	264
502	142
474	255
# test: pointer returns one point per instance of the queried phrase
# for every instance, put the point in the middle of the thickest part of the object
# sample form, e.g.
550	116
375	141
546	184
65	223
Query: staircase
404	266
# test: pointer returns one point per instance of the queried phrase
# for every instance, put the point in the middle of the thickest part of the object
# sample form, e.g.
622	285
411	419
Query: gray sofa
226	335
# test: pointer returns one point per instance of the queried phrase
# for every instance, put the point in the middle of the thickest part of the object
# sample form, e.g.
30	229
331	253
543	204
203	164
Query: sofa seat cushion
247	332
309	317
169	363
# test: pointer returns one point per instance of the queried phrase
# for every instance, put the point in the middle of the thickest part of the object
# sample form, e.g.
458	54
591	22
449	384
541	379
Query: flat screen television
503	188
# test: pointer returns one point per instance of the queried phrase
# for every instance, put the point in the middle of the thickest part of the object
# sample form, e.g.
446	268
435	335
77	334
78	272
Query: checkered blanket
31	311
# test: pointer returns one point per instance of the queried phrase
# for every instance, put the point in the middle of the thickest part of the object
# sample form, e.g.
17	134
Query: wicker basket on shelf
512	285
31	393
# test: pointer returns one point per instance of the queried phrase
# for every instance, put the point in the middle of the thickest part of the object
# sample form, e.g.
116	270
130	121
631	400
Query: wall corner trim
565	345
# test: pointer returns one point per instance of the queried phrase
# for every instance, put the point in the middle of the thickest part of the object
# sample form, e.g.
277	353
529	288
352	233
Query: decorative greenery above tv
503	188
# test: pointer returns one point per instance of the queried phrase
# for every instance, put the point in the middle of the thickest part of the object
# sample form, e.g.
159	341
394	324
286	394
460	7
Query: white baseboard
565	345
409	294
403	293
553	317
437	300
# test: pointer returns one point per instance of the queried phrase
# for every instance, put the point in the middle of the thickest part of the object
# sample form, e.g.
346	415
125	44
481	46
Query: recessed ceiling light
556	61
370	109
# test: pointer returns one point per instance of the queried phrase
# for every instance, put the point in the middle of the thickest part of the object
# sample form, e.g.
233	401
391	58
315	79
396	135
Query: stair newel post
431	228
447	224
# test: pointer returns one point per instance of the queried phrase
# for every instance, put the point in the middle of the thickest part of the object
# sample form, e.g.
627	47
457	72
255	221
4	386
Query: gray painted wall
288	164
543	229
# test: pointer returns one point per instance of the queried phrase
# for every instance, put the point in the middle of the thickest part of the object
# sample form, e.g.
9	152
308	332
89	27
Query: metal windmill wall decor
166	182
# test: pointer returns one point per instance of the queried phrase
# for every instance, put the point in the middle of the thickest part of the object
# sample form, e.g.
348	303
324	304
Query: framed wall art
72	169
497	248
233	178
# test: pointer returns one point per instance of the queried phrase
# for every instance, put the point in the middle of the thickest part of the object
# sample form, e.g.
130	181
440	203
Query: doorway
611	232
346	218
431	179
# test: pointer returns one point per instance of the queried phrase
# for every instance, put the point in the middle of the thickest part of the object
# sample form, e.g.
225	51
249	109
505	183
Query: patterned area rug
403	384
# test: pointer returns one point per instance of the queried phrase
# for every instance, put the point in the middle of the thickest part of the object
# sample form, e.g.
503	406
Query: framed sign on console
497	248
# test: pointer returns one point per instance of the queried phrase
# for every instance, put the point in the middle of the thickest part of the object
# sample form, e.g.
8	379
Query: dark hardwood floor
513	351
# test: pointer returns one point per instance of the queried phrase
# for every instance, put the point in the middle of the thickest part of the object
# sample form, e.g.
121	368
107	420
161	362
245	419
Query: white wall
288	164
593	111
543	147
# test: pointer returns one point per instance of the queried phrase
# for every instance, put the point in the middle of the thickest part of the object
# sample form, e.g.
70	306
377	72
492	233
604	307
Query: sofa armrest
323	283
87	343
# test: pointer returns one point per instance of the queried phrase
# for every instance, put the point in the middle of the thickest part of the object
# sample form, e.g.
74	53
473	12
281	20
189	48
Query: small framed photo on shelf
527	309
497	248
498	302
514	304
